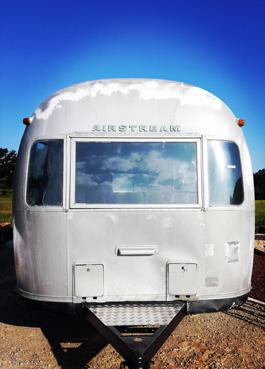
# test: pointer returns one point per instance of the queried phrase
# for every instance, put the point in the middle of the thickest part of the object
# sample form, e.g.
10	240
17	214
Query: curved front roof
122	106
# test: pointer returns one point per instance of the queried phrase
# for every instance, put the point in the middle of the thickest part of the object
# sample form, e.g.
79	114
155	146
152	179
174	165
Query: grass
260	212
6	210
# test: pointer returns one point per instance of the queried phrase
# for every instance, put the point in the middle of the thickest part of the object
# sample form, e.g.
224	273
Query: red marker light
241	122
27	121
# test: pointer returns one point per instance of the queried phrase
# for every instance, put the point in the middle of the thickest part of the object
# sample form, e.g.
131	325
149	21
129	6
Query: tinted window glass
136	173
225	174
45	178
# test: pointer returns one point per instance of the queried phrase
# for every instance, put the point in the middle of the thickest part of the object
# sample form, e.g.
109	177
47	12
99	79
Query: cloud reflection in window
136	173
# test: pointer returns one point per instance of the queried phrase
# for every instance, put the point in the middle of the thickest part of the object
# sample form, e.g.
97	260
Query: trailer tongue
136	330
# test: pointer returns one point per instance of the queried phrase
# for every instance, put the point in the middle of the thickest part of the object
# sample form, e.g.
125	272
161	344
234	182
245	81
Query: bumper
193	307
210	306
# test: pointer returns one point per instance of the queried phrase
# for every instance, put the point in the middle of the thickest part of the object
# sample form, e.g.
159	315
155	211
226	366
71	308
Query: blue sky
218	45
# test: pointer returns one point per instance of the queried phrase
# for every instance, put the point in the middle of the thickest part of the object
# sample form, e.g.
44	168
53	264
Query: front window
136	173
45	176
225	173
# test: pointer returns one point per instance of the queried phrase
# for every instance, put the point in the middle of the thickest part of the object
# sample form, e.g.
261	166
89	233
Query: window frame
46	207
207	181
74	140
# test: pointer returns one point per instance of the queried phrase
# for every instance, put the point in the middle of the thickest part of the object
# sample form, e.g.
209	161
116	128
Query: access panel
88	280
182	278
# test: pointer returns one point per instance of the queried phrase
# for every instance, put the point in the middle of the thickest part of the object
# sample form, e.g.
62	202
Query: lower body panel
193	307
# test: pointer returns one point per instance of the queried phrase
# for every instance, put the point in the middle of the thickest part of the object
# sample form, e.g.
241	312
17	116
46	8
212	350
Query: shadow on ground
251	312
73	341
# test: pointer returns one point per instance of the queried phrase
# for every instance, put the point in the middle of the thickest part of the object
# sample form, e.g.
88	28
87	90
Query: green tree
259	183
7	168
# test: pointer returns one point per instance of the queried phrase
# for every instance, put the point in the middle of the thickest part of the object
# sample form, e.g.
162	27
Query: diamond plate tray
136	313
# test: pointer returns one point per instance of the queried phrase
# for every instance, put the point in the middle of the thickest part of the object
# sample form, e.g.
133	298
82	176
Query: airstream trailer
134	191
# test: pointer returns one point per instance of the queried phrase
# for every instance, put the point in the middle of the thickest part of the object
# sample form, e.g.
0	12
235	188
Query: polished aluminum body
119	252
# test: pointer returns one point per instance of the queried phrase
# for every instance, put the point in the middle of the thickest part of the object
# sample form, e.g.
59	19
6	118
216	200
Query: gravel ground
35	339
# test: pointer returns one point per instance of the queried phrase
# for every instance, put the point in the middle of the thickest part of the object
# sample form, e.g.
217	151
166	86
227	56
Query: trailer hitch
136	330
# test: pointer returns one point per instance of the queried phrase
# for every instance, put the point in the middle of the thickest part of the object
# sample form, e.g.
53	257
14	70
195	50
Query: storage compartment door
88	280
182	279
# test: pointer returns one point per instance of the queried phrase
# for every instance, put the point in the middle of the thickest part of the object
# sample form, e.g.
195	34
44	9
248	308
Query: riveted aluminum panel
135	277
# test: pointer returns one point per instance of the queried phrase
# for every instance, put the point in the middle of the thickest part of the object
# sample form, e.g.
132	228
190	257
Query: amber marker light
241	122
27	121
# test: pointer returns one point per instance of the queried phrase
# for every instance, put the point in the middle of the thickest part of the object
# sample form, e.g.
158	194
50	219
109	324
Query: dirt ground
36	339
